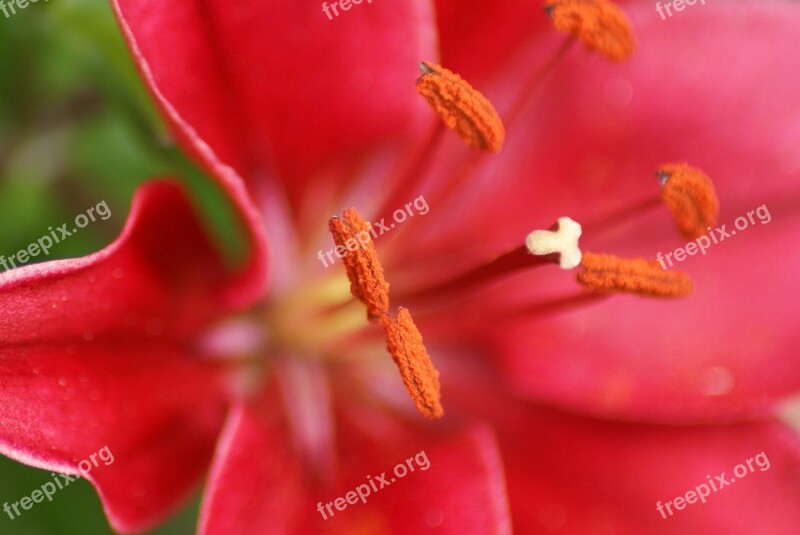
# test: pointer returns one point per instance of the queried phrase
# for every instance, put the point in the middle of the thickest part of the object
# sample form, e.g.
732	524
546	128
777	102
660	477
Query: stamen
610	274
563	240
461	107
404	342
367	283
403	339
600	24
690	196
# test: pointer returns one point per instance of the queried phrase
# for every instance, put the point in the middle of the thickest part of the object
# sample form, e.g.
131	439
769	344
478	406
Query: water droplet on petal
434	517
718	381
154	327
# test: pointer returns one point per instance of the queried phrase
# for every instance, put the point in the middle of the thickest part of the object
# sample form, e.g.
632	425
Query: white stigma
563	241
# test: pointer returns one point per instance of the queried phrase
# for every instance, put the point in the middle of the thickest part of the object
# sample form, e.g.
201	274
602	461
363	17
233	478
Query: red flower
154	348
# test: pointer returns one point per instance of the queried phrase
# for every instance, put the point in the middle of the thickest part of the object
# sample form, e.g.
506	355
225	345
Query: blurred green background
77	128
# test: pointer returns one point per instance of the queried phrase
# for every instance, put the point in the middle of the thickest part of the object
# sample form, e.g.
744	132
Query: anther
689	194
403	339
599	24
563	240
404	342
610	274
461	107
367	282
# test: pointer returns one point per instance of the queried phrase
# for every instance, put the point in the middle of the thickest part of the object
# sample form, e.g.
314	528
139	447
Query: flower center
321	321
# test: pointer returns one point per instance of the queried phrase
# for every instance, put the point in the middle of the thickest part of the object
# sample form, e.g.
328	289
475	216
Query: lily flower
503	320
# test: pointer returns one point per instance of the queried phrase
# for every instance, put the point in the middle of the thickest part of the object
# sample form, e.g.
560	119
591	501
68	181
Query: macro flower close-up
373	267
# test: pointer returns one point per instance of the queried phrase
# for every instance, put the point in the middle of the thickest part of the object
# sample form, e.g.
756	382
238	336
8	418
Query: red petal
463	471
276	86
590	146
576	476
94	354
478	38
257	484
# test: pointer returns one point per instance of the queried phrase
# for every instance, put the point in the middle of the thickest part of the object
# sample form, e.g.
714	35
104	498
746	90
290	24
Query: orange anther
599	24
367	282
610	274
404	342
403	339
461	107
689	194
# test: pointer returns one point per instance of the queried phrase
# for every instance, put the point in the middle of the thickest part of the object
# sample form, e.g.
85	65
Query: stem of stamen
534	82
407	181
559	304
621	215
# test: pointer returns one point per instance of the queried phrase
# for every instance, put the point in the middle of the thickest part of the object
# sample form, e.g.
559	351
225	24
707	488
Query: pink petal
95	354
277	87
588	147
